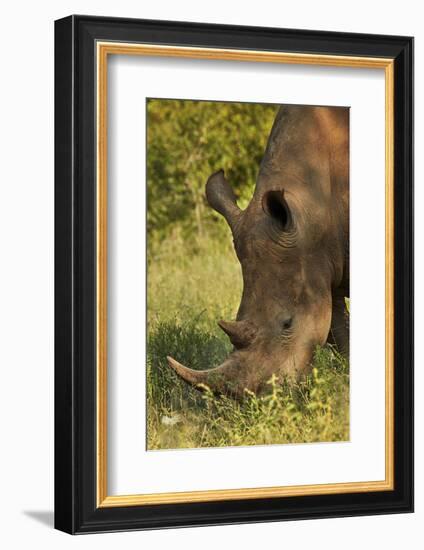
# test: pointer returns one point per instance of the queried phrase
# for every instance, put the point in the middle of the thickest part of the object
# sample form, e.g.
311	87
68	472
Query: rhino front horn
194	377
218	379
240	333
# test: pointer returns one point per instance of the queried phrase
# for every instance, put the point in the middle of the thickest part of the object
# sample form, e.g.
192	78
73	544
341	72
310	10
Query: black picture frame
76	508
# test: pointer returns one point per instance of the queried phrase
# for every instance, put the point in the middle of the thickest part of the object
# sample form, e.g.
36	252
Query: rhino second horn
240	333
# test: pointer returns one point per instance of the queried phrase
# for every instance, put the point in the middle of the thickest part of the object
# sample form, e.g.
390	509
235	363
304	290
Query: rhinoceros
293	245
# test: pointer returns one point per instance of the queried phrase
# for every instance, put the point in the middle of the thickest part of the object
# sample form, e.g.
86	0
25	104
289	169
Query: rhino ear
221	197
275	206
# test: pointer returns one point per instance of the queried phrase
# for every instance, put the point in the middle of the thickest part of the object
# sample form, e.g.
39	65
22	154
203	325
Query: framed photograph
234	274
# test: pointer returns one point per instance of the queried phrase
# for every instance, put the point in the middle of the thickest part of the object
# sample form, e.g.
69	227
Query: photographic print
247	274
218	290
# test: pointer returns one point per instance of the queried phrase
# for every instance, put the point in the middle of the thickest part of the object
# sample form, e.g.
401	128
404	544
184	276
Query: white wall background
26	273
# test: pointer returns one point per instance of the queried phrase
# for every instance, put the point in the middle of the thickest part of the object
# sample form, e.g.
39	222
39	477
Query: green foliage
189	140
347	305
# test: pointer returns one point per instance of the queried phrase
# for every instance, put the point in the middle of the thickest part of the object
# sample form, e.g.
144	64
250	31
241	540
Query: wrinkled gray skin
293	245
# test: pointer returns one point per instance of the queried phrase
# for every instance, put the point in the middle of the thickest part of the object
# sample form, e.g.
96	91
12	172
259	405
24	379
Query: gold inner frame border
103	50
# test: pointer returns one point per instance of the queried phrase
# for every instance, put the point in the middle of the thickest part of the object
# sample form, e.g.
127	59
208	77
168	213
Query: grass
190	287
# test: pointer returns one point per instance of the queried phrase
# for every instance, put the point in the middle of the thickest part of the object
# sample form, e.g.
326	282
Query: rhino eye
275	206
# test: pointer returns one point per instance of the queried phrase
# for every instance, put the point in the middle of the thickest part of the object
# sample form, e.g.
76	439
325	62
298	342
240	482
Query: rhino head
292	242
